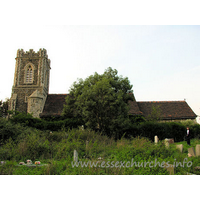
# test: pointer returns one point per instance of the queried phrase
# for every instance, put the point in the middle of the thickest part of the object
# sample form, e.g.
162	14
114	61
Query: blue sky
161	62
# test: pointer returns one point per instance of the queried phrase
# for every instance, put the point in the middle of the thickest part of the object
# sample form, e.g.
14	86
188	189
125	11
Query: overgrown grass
55	149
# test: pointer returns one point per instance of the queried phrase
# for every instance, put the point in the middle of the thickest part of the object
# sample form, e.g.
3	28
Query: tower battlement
32	72
31	54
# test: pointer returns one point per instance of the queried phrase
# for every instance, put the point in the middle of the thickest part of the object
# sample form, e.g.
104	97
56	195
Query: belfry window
29	75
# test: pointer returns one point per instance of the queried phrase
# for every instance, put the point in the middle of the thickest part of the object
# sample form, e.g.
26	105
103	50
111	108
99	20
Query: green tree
155	113
4	108
101	101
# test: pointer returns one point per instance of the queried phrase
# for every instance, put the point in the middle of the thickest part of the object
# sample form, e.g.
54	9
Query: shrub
34	147
178	131
9	130
195	130
7	152
53	124
150	129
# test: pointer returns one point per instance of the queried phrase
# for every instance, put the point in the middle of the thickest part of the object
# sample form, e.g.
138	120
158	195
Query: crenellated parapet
32	71
31	54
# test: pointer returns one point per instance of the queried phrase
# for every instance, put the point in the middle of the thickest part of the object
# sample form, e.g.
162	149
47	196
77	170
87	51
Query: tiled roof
134	109
53	105
169	109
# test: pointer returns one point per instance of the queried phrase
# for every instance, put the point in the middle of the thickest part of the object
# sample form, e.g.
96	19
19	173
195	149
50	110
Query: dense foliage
101	101
52	124
19	143
4	108
138	127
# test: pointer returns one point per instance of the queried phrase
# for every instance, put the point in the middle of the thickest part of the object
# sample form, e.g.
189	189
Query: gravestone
191	151
75	156
197	150
166	143
169	168
156	139
171	140
180	147
87	143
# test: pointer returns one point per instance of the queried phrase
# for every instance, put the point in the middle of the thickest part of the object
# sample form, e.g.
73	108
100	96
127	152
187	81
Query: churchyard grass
56	150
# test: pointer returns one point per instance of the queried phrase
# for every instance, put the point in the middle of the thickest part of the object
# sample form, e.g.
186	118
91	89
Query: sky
161	62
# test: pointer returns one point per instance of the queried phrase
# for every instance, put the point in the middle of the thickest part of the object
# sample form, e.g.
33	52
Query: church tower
31	82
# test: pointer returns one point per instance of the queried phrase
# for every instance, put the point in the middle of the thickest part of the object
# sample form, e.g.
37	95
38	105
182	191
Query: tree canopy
3	108
101	101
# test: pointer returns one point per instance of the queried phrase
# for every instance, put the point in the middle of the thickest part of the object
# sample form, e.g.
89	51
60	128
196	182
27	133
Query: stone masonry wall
40	65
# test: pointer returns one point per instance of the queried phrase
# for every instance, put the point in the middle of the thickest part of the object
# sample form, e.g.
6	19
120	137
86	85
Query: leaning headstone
166	142
169	141
156	139
169	168
75	156
180	147
87	143
197	150
191	151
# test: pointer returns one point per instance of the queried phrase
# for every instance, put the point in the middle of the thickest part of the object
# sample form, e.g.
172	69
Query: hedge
163	130
147	129
27	119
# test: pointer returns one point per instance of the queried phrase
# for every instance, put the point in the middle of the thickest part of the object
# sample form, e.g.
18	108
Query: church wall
35	106
22	72
22	90
22	98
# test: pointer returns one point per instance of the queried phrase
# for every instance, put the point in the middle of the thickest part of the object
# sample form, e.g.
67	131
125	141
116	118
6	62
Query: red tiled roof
169	109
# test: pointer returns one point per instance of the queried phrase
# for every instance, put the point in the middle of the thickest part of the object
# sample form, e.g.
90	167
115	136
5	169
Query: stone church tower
31	82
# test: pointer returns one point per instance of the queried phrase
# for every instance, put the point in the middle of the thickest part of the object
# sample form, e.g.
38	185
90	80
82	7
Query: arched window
29	75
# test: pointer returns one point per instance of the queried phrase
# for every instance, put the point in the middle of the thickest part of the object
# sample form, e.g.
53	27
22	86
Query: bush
24	119
56	149
195	130
162	130
52	124
150	129
9	130
178	131
8	152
